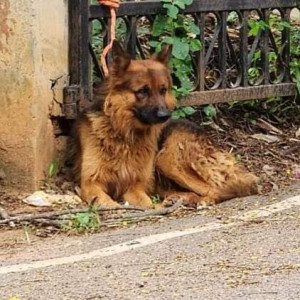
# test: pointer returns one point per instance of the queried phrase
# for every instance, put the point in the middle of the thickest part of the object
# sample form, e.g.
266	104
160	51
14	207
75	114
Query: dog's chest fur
116	161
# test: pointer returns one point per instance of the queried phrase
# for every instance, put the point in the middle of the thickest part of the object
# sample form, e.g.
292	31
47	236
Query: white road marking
156	238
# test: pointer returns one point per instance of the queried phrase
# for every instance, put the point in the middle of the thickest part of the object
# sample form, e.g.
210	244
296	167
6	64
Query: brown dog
118	147
119	144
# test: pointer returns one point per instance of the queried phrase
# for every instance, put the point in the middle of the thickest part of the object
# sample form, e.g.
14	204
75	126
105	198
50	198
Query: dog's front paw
103	202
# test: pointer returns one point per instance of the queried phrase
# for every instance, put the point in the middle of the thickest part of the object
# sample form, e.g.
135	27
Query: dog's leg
189	199
187	179
137	196
91	190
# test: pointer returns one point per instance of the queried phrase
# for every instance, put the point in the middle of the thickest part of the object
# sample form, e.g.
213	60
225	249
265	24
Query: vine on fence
182	31
274	105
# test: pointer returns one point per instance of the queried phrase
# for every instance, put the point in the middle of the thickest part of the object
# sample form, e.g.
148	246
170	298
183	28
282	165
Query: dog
131	149
117	146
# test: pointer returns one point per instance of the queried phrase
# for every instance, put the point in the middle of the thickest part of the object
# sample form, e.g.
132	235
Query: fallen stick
54	214
150	212
49	222
107	223
71	214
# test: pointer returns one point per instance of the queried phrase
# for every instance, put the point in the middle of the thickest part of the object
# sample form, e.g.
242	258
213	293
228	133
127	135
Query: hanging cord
113	5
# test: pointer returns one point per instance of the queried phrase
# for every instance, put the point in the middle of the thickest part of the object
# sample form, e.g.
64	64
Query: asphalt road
219	253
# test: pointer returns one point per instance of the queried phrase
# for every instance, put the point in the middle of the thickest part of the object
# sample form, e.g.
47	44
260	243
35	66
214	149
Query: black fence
221	70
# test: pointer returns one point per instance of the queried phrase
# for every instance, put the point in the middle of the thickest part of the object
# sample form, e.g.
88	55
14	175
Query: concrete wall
33	51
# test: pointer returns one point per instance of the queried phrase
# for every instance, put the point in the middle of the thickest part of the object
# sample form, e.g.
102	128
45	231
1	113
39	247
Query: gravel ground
256	260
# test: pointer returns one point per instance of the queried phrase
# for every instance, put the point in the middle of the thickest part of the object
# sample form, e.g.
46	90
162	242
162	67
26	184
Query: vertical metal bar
286	44
85	62
244	48
74	36
201	63
222	41
131	37
265	48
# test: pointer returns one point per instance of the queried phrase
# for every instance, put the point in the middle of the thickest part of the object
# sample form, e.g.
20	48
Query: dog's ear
164	55
121	59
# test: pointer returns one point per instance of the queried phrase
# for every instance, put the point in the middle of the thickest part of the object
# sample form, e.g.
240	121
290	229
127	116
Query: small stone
269	170
265	137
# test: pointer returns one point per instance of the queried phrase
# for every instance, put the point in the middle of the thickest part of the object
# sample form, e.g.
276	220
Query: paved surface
221	253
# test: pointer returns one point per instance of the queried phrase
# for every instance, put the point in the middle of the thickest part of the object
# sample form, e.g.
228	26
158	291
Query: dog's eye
163	90
144	91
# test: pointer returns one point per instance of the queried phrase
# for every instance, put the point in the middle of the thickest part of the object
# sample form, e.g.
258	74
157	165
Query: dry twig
56	214
60	219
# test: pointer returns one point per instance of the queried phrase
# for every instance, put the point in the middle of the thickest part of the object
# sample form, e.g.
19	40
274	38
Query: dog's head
140	90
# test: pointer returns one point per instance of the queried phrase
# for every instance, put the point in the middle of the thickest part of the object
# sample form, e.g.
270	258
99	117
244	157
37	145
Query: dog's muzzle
152	115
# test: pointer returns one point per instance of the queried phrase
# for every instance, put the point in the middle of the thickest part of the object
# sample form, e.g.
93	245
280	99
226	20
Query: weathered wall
33	50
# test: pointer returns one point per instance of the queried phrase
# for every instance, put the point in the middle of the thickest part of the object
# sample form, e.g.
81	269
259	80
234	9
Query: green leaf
155	199
195	45
263	25
272	56
52	169
168	40
284	24
172	11
159	25
179	3
187	2
190	26
83	218
298	86
96	28
210	111
257	55
186	84
254	28
154	43
232	17
180	49
178	114
143	30
188	110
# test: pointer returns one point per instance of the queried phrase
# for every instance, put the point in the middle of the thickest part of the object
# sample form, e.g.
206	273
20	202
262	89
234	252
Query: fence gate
221	68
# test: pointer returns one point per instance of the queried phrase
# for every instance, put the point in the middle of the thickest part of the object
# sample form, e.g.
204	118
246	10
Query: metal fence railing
220	69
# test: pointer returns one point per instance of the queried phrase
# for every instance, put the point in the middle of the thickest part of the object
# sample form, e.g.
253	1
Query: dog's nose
163	114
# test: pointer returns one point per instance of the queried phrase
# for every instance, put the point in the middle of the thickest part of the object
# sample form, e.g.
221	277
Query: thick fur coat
121	147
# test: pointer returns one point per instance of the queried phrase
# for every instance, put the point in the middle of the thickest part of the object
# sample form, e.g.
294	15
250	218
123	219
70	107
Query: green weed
85	222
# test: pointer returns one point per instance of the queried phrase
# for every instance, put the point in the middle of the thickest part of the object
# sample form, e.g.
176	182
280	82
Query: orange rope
113	5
